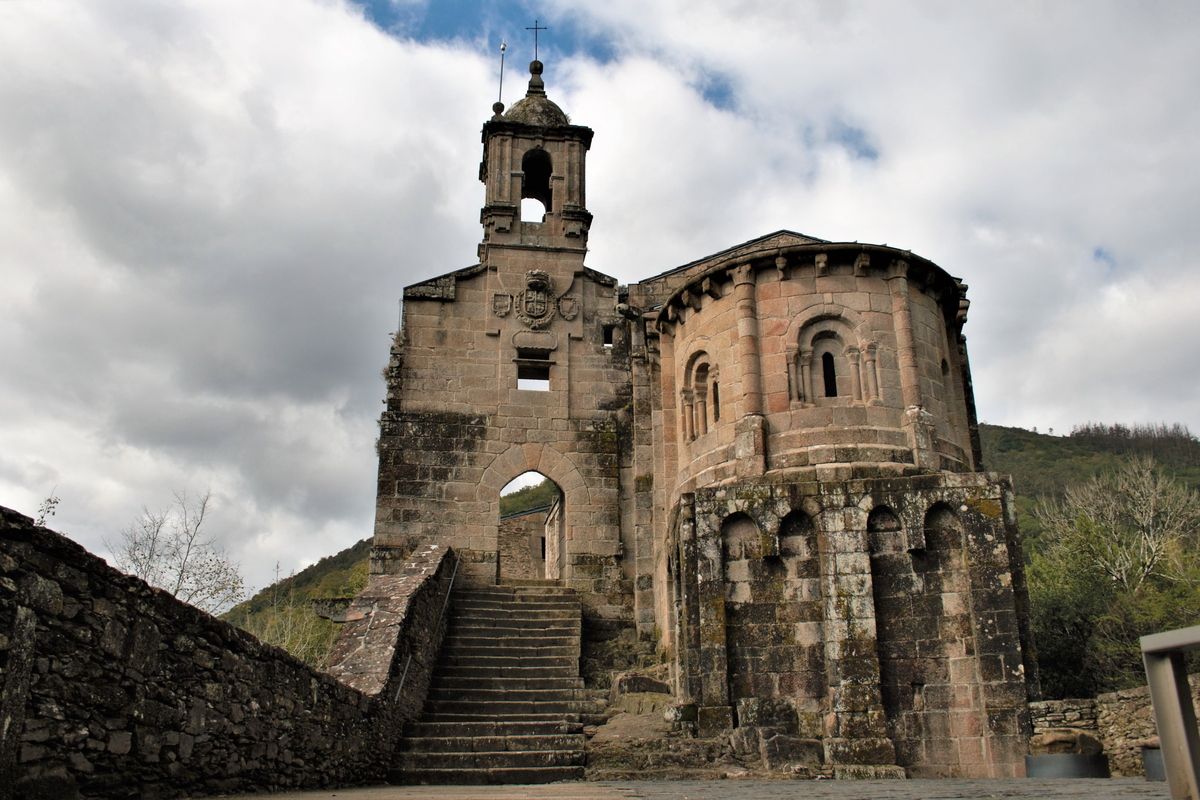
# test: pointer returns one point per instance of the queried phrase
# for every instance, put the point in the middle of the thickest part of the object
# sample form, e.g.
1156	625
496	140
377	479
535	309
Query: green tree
289	622
1119	559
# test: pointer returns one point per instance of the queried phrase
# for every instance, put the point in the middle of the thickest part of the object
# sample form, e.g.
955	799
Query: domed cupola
536	108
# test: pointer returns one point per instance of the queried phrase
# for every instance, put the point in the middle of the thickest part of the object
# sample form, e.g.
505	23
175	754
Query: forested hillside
1042	466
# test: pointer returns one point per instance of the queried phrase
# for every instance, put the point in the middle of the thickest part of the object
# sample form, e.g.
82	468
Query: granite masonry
768	466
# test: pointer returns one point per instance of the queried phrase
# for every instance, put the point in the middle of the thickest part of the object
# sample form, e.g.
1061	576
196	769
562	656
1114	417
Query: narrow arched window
830	374
716	401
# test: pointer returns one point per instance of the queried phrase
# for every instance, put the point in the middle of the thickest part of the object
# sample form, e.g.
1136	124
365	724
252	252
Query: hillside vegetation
281	613
1043	466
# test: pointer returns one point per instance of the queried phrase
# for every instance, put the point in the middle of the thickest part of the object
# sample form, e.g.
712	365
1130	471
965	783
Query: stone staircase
506	704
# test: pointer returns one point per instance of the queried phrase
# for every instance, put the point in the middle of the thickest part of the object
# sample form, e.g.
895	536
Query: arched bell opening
535	185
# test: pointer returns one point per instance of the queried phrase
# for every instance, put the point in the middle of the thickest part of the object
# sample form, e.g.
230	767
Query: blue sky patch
856	141
717	90
489	24
1102	256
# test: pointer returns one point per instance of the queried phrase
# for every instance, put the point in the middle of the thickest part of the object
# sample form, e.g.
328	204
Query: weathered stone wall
889	328
1079	714
520	540
115	689
458	429
1123	721
393	630
881	611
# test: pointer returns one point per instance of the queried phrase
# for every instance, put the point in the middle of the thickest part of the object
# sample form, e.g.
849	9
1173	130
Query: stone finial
536	84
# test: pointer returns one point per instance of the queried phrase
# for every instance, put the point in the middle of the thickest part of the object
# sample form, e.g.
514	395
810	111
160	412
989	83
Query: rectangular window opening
533	370
608	335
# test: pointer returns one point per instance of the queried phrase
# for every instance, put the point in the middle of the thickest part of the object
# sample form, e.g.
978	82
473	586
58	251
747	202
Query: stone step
514	627
555	717
481	694
476	596
508	660
491	728
491	744
487	777
539	603
483	612
531	638
504	708
519	648
506	701
417	760
472	683
471	669
520	589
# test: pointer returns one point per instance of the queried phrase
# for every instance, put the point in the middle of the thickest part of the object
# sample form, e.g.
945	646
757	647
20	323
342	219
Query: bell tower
533	153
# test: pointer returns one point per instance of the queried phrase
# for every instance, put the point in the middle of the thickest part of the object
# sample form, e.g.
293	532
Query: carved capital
742	273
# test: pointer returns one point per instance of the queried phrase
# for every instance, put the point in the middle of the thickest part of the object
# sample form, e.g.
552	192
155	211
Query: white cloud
208	211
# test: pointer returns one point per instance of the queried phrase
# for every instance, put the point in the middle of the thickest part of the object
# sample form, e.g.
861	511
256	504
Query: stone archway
575	500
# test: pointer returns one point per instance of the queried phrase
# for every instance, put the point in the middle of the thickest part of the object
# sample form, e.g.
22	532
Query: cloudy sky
208	210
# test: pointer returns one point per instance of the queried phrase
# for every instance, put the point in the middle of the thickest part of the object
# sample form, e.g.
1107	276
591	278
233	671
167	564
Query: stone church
767	461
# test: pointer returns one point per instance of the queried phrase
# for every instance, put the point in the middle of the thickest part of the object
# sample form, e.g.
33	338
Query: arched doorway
531	529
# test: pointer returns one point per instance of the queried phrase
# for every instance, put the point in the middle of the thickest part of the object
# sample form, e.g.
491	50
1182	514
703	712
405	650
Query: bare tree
1130	524
166	549
47	508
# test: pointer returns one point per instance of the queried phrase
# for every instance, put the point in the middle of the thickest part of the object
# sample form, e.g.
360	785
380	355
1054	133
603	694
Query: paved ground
1116	789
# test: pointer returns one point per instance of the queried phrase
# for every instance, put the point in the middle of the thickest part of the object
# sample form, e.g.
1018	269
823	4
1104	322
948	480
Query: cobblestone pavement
1116	789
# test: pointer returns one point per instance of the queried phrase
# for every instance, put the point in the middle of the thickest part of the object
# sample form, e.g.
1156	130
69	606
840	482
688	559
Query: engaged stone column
687	608
872	377
714	714
806	392
856	727
917	421
747	328
701	415
750	431
670	399
689	427
795	391
852	355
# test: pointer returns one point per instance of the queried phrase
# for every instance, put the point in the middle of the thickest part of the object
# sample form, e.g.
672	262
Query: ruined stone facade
768	463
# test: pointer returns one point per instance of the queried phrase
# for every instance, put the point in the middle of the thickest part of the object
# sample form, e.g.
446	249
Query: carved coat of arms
568	307
501	304
535	306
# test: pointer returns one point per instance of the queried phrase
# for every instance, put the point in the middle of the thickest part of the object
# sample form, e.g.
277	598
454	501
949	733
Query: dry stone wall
115	689
1123	721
